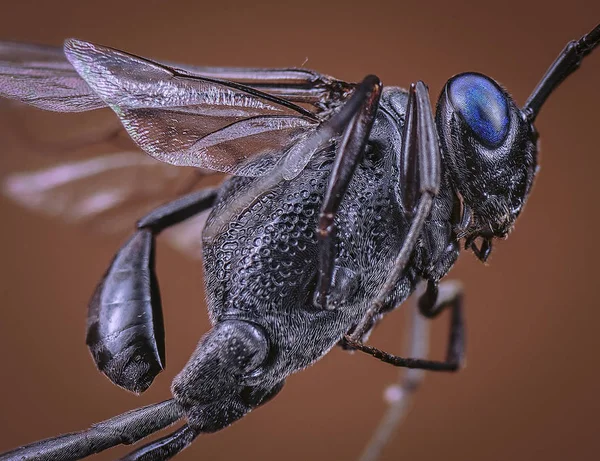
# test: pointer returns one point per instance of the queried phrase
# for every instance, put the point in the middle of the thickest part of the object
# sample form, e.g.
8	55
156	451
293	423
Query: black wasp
341	199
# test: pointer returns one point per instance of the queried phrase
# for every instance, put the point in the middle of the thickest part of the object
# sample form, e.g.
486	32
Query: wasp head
489	148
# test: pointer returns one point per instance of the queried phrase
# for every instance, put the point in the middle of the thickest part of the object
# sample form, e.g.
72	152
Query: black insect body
263	268
342	199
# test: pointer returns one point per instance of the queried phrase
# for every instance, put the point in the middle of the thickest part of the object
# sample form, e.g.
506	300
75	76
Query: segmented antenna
567	62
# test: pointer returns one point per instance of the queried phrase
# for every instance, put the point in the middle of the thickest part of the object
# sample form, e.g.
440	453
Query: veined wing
293	84
177	115
187	120
42	76
110	193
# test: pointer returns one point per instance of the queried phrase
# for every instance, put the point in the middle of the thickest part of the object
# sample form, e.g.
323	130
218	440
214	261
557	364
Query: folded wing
41	76
190	121
109	193
232	120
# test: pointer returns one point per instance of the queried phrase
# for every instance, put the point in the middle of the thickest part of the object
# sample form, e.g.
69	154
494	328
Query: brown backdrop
530	388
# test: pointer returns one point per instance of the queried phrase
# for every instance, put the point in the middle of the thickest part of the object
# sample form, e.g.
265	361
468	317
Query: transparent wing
109	193
297	85
190	121
42	76
178	115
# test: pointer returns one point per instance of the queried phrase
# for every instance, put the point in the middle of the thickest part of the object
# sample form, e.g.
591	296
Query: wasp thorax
489	149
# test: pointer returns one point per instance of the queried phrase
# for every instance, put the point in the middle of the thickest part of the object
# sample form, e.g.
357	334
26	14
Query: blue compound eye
482	105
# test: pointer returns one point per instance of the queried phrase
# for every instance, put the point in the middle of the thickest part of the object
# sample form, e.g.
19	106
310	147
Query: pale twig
399	395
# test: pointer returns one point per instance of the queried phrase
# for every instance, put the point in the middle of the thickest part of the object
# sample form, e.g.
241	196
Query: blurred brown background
529	391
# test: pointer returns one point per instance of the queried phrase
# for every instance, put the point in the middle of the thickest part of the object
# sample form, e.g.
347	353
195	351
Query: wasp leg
125	429
399	395
364	104
211	388
170	445
431	304
125	331
421	145
111	134
165	447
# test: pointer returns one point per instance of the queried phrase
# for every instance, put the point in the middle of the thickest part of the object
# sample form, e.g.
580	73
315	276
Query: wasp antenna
567	62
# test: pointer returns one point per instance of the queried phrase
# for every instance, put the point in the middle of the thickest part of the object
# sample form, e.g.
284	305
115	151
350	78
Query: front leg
431	304
399	395
360	110
421	165
125	332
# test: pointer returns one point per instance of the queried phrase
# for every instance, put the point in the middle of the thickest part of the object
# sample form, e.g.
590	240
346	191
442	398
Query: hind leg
125	332
165	447
125	429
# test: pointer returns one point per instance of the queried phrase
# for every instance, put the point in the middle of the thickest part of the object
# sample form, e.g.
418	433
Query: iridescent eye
482	106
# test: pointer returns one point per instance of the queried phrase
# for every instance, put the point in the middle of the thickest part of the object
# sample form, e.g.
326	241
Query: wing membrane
178	119
42	76
44	71
186	116
176	115
297	85
108	194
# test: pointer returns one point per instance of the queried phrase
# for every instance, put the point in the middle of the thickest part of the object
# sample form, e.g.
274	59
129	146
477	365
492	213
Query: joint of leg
325	224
